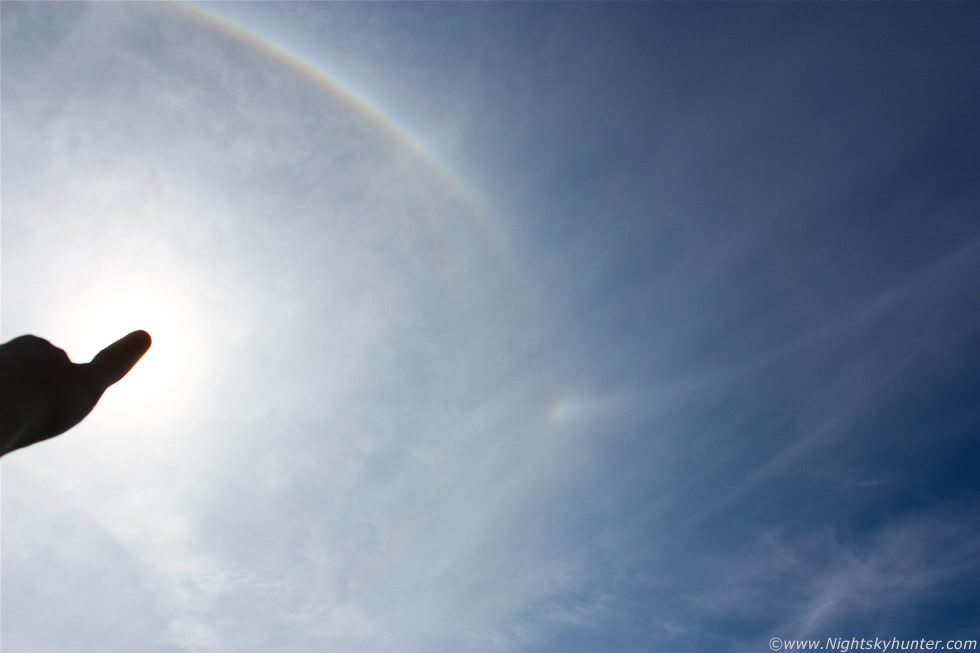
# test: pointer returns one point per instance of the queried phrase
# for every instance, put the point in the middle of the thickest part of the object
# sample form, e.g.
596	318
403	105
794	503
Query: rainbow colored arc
365	108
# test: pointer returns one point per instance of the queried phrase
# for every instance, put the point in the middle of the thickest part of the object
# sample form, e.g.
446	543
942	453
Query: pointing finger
115	361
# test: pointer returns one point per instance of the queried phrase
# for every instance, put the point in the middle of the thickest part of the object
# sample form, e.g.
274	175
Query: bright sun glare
162	382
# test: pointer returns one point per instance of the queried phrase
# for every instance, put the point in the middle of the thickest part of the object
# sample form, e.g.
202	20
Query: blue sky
539	327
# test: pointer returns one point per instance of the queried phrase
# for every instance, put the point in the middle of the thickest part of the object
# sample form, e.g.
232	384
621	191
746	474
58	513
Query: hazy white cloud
326	291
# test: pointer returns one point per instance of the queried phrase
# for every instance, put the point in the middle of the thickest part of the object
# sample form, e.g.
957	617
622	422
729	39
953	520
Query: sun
162	384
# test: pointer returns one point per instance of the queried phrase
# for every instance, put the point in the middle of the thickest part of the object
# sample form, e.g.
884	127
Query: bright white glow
163	382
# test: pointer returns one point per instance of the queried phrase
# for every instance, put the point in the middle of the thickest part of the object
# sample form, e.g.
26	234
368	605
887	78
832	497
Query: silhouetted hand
43	394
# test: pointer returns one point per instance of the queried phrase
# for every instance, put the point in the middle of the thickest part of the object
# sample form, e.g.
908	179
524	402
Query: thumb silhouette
114	362
43	394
